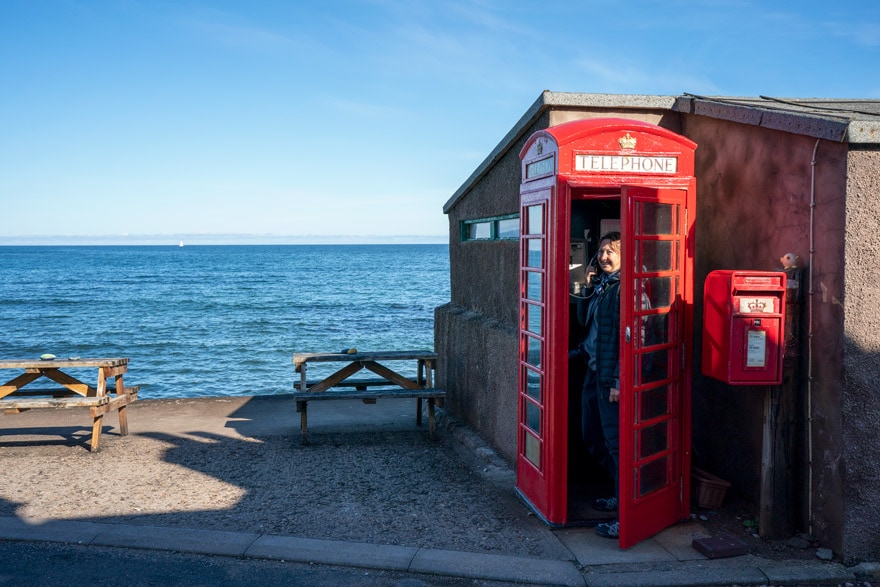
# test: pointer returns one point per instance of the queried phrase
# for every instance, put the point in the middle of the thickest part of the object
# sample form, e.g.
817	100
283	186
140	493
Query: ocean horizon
172	239
218	320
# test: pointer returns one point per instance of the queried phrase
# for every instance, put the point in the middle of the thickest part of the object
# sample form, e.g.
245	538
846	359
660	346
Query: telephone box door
541	472
656	290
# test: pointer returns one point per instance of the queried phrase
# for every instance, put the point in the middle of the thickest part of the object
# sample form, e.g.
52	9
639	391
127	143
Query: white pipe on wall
810	344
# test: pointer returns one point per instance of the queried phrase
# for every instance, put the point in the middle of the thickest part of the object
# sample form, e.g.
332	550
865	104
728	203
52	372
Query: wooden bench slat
116	402
359	382
53	402
369	394
301	358
62	362
63	392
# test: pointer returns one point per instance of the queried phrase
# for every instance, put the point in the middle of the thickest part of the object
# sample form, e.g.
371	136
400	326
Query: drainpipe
810	345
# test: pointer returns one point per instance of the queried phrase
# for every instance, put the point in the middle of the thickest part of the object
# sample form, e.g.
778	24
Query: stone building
773	176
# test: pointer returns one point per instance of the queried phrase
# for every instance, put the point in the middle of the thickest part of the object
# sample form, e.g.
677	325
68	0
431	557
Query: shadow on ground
369	475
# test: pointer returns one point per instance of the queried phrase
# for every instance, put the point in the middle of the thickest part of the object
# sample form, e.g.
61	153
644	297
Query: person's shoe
608	504
609	529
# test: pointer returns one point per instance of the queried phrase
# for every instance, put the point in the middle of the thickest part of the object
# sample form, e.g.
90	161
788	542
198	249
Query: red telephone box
579	180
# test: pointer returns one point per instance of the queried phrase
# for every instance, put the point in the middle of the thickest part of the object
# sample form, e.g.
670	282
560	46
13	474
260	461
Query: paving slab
496	567
591	549
12	528
178	539
805	572
675	578
678	540
333	552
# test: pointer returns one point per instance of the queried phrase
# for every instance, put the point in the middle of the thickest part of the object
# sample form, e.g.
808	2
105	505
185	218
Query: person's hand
590	272
614	396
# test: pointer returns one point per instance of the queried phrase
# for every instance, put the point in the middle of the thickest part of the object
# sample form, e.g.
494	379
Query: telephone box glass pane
653	366
534	318
653	476
653	403
654	256
532	449
658	291
533	417
534	351
536	219
654	439
533	255
656	219
533	285
533	385
656	329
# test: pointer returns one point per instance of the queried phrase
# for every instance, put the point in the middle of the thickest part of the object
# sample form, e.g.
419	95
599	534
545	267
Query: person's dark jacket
608	336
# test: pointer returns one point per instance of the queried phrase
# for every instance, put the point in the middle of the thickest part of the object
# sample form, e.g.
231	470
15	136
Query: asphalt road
41	564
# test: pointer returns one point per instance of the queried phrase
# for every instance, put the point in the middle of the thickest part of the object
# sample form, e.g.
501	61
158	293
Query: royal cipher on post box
743	326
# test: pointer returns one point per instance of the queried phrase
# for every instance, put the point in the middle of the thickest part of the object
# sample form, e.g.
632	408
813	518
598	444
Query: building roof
853	121
841	120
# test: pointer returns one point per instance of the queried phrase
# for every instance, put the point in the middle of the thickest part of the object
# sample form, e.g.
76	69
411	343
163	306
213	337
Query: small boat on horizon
181	244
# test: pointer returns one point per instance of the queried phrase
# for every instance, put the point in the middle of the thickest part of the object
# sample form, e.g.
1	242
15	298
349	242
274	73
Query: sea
218	320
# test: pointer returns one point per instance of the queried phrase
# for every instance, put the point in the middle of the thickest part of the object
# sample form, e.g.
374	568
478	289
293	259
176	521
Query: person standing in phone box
599	312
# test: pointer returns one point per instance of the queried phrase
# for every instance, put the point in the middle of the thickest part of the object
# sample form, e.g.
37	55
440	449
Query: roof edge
546	100
810	119
821	119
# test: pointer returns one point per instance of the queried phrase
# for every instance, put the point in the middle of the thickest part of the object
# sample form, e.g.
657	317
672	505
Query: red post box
743	326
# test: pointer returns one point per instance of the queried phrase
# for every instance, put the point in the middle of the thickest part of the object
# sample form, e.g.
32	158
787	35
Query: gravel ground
385	487
237	465
738	518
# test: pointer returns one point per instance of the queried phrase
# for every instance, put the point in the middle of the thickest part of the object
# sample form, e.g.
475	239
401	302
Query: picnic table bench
388	384
73	393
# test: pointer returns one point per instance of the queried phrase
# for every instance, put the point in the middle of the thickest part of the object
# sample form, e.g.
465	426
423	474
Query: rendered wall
861	409
753	205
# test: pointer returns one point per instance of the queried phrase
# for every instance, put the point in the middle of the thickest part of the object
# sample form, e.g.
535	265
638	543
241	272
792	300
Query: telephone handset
594	264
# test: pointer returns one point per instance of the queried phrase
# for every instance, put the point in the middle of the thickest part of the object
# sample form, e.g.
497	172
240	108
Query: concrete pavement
653	563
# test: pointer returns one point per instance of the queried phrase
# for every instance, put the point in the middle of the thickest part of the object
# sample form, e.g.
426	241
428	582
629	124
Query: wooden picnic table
388	384
16	397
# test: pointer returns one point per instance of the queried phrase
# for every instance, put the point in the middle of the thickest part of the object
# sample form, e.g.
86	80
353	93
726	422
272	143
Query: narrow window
490	229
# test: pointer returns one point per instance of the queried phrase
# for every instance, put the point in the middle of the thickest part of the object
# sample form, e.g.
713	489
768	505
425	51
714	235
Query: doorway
593	214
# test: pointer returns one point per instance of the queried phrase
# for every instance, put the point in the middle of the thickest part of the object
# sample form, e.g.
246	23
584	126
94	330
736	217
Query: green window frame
491	229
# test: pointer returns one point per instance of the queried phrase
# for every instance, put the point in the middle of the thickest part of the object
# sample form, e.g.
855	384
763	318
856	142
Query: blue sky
338	118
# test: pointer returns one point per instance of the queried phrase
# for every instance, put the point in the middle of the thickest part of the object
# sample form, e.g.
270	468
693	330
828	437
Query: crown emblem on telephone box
627	142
